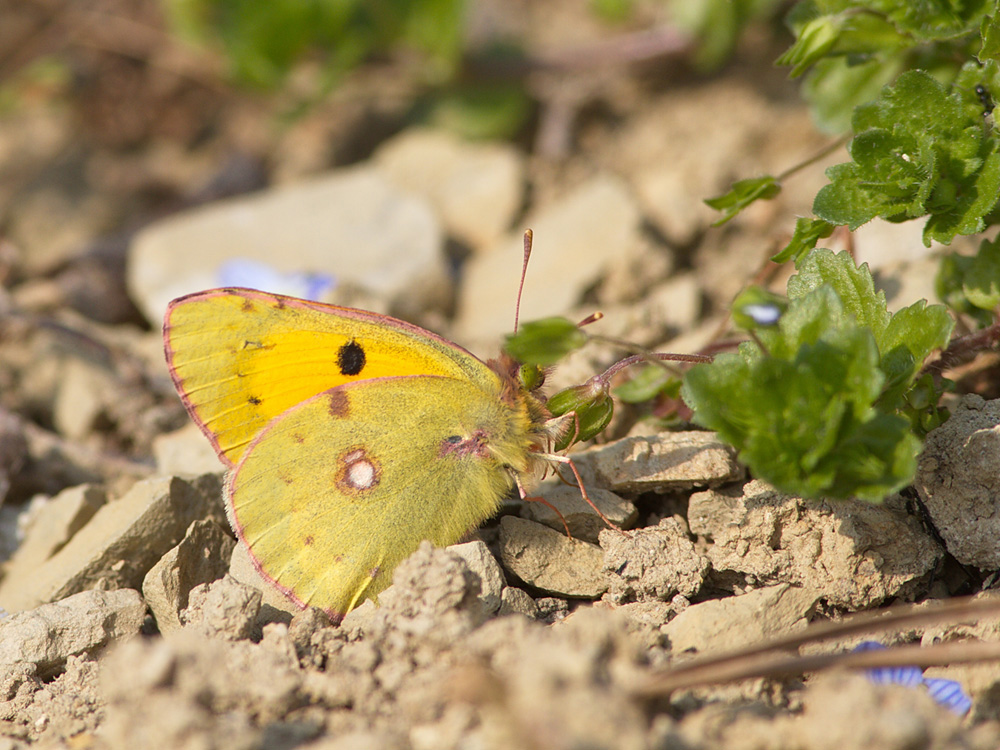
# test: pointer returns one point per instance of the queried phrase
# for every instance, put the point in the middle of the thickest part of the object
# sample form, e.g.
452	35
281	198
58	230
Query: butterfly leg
535	499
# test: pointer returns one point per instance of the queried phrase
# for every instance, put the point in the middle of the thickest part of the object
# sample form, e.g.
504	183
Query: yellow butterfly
350	436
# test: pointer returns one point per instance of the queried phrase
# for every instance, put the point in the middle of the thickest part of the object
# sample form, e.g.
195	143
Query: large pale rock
958	478
736	621
201	557
476	188
551	561
855	554
122	541
352	224
575	240
660	463
82	623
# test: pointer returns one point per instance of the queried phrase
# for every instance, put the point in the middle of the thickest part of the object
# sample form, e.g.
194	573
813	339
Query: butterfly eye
453	439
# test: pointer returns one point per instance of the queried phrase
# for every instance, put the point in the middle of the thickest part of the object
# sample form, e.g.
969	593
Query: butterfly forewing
240	357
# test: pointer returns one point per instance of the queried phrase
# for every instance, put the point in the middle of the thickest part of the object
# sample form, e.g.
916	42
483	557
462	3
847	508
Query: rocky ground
134	620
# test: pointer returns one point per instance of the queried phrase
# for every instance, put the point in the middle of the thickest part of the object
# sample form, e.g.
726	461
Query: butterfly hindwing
338	490
240	357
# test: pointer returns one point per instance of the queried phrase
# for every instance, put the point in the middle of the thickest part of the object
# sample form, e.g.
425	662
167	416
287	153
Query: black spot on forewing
351	358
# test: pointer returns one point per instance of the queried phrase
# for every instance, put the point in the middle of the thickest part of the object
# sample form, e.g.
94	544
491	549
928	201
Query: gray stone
550	561
660	463
958	478
201	557
855	554
733	622
517	601
52	526
122	541
491	581
573	241
83	623
351	223
652	564
583	522
224	608
476	188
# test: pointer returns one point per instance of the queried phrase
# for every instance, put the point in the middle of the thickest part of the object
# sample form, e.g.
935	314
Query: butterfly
349	436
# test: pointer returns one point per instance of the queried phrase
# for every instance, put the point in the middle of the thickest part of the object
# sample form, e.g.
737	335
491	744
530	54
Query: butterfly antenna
524	270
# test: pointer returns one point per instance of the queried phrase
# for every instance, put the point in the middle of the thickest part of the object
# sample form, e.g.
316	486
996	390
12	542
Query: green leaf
742	194
646	384
545	342
921	149
981	282
829	407
990	33
807	233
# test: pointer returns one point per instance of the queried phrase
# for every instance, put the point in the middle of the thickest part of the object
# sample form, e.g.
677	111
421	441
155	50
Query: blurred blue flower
947	693
257	275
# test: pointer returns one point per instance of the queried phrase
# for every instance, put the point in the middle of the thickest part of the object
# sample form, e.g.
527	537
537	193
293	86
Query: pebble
475	188
83	623
352	224
53	524
120	543
736	621
583	522
655	563
664	462
575	239
958	478
517	601
550	561
201	557
856	554
491	580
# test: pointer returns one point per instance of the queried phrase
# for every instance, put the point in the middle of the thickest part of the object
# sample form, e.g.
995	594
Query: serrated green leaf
920	149
742	194
807	233
545	342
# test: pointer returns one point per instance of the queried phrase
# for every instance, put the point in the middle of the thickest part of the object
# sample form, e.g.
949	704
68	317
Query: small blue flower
947	693
256	275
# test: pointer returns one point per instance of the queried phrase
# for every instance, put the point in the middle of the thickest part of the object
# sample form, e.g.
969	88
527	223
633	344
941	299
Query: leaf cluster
820	406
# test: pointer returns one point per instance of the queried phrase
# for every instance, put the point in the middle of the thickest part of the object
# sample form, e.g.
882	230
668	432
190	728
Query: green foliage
717	24
742	194
970	285
807	233
646	384
822	409
263	40
545	342
920	149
